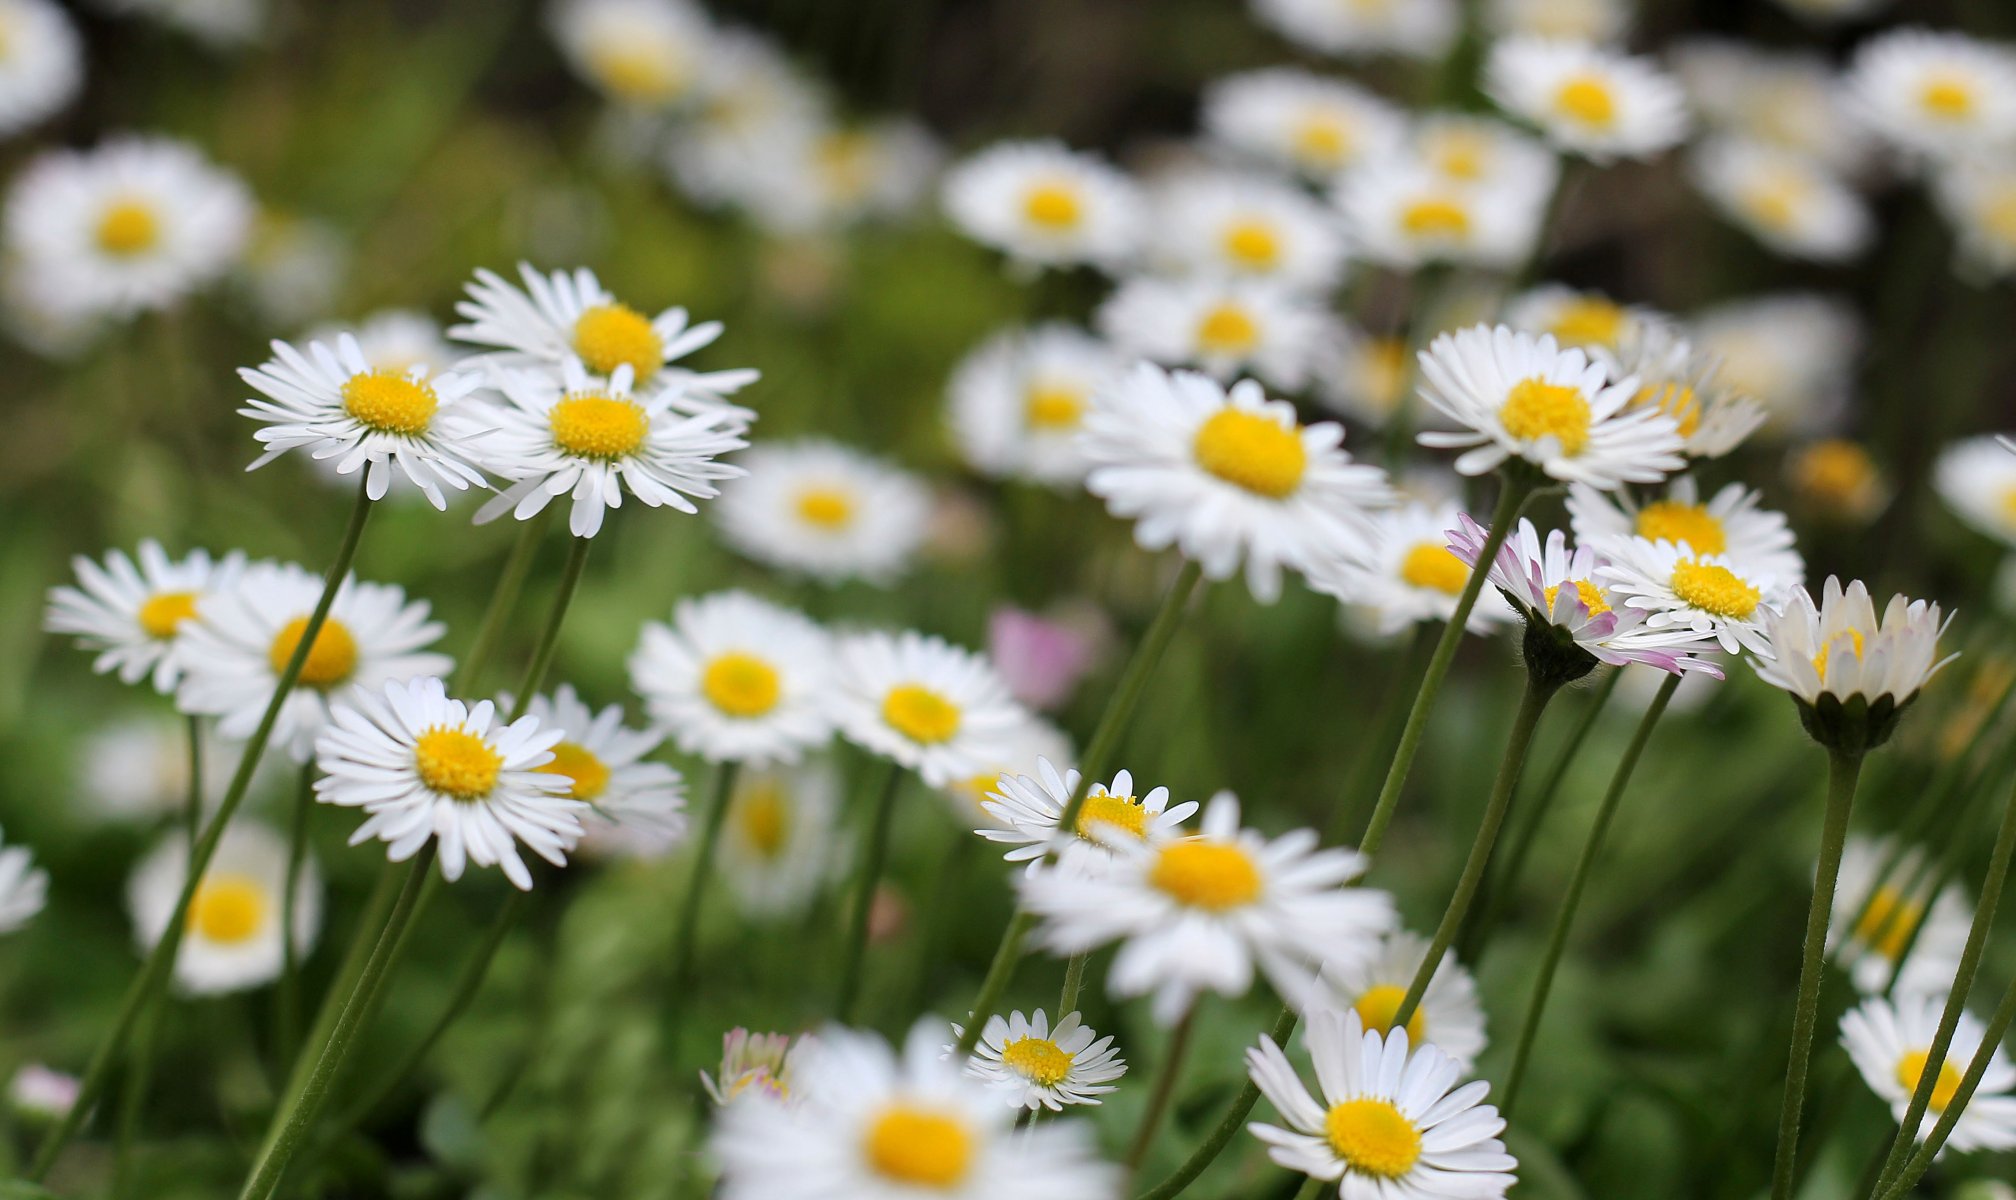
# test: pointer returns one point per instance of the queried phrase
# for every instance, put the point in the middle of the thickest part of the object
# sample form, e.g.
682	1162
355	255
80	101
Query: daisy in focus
780	846
1976	477
648	54
1018	401
1935	94
1840	650
1731	523
1449	1015
1030	812
736	678
41	63
1587	100
1414	28
1881	918
234	935
1036	1067
932	707
131	614
1309	124
1678	589
1244	226
818	508
604	764
24	888
1890	1043
1223	327
1044	205
1410	575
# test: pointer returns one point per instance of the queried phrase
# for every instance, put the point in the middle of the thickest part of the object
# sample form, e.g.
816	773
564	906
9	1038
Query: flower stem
141	993
287	993
1228	1125
696	884
1074	982
549	637
866	877
1991	1043
133	1098
503	600
1564	920
192	815
1843	770
1311	1188
1165	1089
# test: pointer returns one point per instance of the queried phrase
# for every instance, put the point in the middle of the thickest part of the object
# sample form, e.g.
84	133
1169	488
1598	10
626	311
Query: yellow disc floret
1911	1068
921	714
390	402
1433	566
1888	922
227	908
741	684
1820	659
456	763
1677	521
587	773
1588	100
1117	812
1589	321
1590	595
1054	408
1322	141
1436	217
330	660
605	428
828	508
1053	206
1715	589
1948	98
127	229
163	613
612	335
1381	1003
1208	875
1253	245
1373	1137
764	817
1536	409
1039	1060
918	1147
1252	451
1228	330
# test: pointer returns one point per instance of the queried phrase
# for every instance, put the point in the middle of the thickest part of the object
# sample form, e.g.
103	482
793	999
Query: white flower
1363	376
1876	917
242	638
800	173
1306	123
1841	649
424	767
223	24
1415	28
1584	320
1025	747
754	1065
1221	326
818	508
756	115
1410	575
1979	199
1681	382
1678	589
1404	214
1199	913
1587	100
1036	1067
604	762
735	677
37	1091
41	62
867	1124
395	340
779	848
1226	476
233	933
1243	226
1029	809
1790	204
1485	153
1449	1015
933	707
1582	20
132	615
1794	353
136	768
1791	102
24	888
1730	523
1018	400
645	53
1936	94
1044	205
1517	395
1388	1123
1976	477
1890	1044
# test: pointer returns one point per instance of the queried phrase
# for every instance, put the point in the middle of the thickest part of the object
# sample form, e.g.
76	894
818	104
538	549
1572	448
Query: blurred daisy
1032	742
133	614
1795	103
818	508
38	1092
1976	477
1587	100
1679	589
1044	205
394	340
1364	375
933	707
1411	576
136	768
1387	1122
424	767
779	846
1880	918
1890	1044
1305	123
1783	200
1681	382
24	888
1581	320
1484	153
1035	1067
1840	649
1226	476
233	935
1403	214
1415	28
41	63
1019	400
1030	808
1794	353
1449	1015
736	678
753	1065
333	404
1224	327
242	638
1837	481
1574	20
292	267
1244	226
868	1124
1935	94
1731	523
1197	914
605	765
644	53
1979	200
221	23
818	176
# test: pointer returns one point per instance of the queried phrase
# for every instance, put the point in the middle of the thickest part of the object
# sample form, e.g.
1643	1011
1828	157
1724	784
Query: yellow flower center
1714	589
1322	141
1119	812
1677	521
828	508
1590	594
1384	370
1911	1068
1435	217
1373	1138
1381	1003
164	612
920	714
1209	875
1433	566
1998	217
920	1148
641	74
1949	98
1776	201
846	160
1053	409
330	660
1228	330
588	773
128	228
456	763
598	427
389	402
1888	923
1462	156
1253	245
764	818
1053	206
741	684
1536	409
1587	99
1820	659
1039	1060
1251	451
1588	321
227	909
1836	473
608	336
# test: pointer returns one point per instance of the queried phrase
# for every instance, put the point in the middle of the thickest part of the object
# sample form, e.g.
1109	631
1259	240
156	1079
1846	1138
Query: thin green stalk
192	812
1228	1126
696	884
1311	1188
866	877
1984	1056
287	993
1429	286
549	637
1843	769
154	972
1165	1089
376	907
503	600
1345	811
1564	920
1074	982
133	1099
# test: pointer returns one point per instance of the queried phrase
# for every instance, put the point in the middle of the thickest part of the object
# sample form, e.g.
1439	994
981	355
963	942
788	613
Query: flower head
24	887
1044	205
43	65
1415	28
1030	811
1881	918
825	510
1976	477
1018	401
938	709
234	933
735	677
1310	124
1449	1015
133	614
1222	326
1034	1066
1411	575
604	764
1935	94
754	1064
1586	99
1852	673
1890	1045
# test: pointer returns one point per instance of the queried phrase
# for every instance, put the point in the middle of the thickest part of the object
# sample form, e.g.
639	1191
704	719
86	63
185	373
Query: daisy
1589	101
1890	1044
1679	589
648	54
1223	327
1976	477
1681	382
1029	810
394	340
1791	205
779	846
1244	226
1018	401
933	707
24	888
1879	918
333	404
424	767
1198	913
1386	1121
1574	20
132	225
818	508
1410	575
754	1065
1044	205
1731	523
1795	103
41	63
1036	1067
604	764
1574	319
1032	742
800	177
1415	28
1514	394
1839	649
132	615
1484	153
232	654
1449	1015
1935	94
736	678
38	1092
1405	214
1838	481
1794	353
1226	476
1364	375
1979	200
292	267
136	768
868	1124
233	936
1305	123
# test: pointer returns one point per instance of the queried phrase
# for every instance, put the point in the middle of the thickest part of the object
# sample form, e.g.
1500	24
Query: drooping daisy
1029	809
1031	742
24	888
1979	200
1405	214
1415	28
1309	124
818	508
1794	353
1890	1044
41	62
1579	20
1018	401
1449	1015
1936	94
1223	327
605	765
1794	103
1587	100
648	54
131	225
1880	918
1731	523
1410	575
1784	201
1034	1067
754	1065
233	937
1514	394
1228	476
1976	477
232	654
1674	378
1199	913
1680	589
736	678
394	340
426	768
132	615
779	846
1044	205
1388	1119
1839	650
1578	319
939	710
868	1124
1244	226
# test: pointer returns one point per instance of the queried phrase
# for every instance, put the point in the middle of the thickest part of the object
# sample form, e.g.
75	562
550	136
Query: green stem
869	874
1165	1089
192	814
1228	1126
1564	920
1346	811
287	994
154	972
1991	1043
688	925
1311	1188
1074	982
549	637
1843	769
133	1098
503	600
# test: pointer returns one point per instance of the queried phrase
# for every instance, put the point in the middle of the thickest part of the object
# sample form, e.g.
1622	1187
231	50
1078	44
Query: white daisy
1244	226
1583	320
1410	575
223	24
233	934
779	847
1837	481
1794	353
1936	94
1363	375
1385	1122
1976	477
1979	200
1676	379
1405	214
1449	1015
424	767
136	768
1579	20
24	888
756	115
1484	153
736	678
132	615
41	63
868	1124
1044	205
1890	1044
648	54
818	508
242	638
1678	589
933	707
1223	327
1226	476
1587	100
1309	124
1415	28
1036	1067
801	177
1795	103
1839	649
1029	808
1878	917
394	340
1018	401
1730	523
1199	913
605	765
1790	204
